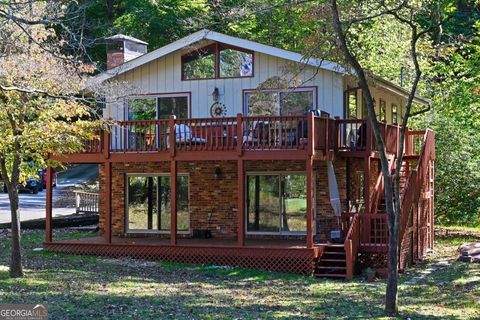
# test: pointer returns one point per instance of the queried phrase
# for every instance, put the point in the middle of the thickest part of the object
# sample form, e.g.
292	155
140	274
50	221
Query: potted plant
370	273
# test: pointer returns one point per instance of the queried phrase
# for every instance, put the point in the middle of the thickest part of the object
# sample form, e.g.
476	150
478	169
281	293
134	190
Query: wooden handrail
416	179
351	245
306	133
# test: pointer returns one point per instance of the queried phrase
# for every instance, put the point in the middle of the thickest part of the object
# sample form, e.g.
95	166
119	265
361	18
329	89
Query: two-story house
232	152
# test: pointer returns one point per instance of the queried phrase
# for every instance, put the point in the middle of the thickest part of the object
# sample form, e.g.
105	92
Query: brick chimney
122	48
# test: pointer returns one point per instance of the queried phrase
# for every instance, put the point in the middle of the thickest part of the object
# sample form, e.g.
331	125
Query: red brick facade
213	201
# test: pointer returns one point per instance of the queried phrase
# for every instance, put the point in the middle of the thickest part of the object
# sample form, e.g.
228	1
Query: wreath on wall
218	110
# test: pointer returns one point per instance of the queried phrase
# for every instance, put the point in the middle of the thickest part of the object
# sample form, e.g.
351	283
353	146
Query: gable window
199	64
217	61
352	104
234	63
394	114
383	111
296	101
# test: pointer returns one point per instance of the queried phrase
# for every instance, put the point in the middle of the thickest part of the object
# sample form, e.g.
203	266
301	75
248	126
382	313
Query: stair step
330	275
331	268
335	252
332	260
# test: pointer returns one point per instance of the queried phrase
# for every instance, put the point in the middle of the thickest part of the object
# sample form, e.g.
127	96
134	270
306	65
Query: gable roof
219	37
206	34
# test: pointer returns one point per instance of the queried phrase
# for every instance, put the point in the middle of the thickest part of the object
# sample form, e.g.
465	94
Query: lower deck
280	255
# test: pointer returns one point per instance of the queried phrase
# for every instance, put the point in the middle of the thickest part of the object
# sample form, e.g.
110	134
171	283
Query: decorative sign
218	110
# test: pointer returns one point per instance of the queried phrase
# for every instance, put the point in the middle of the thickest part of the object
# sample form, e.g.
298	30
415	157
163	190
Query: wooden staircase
367	232
333	262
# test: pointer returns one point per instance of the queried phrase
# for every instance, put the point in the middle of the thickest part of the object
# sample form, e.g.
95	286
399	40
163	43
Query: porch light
218	173
216	94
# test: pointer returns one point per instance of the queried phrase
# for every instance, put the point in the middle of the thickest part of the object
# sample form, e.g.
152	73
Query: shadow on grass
77	287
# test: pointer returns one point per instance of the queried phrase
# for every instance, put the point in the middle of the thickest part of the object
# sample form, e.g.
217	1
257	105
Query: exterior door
276	203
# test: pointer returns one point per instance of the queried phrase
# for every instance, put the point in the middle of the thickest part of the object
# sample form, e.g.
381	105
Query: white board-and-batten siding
163	76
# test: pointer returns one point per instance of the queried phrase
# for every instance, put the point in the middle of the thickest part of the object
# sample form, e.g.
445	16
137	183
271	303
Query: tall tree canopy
449	57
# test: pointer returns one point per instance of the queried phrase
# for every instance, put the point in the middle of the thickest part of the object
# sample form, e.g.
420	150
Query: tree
419	18
41	112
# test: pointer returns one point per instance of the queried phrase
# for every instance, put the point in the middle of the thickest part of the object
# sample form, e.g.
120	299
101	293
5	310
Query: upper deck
246	137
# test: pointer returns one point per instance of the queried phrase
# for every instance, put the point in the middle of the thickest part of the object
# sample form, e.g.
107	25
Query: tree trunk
16	258
391	202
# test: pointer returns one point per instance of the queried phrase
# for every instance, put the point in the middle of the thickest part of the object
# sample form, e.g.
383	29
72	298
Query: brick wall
213	202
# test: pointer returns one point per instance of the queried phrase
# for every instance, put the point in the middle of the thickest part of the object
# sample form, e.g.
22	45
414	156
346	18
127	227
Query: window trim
187	94
279	233
127	230
313	89
347	102
394	113
383	112
217	46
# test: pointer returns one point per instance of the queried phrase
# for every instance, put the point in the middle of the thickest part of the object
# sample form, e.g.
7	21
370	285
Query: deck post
310	206
173	202
239	134
172	138
366	183
48	206
311	130
241	203
108	201
106	144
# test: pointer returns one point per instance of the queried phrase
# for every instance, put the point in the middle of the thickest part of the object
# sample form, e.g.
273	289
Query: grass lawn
77	287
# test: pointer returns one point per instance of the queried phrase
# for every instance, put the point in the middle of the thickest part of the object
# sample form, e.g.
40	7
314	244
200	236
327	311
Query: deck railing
86	202
352	243
244	133
417	179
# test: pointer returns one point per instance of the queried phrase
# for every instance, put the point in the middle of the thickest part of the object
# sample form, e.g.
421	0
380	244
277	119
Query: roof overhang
219	37
398	90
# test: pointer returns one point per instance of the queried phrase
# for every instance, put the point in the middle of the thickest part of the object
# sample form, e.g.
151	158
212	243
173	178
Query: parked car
33	185
36	184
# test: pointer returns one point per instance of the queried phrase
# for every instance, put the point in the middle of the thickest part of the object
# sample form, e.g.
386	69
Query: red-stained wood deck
240	139
266	254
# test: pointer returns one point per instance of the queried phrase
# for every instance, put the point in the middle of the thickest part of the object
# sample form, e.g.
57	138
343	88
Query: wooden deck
272	255
241	137
194	242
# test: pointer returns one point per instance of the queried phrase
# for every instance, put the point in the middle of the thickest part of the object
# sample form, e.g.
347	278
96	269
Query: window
383	111
235	63
158	107
351	112
148	204
142	109
394	114
217	61
173	105
199	64
276	203
280	102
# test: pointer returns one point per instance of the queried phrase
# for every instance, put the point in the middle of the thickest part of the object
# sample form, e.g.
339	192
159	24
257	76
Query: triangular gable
219	37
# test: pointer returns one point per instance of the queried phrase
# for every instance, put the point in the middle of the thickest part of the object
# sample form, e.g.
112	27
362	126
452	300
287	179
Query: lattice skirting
271	259
372	260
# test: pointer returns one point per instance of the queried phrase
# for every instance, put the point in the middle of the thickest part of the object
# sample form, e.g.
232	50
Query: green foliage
449	57
456	121
76	287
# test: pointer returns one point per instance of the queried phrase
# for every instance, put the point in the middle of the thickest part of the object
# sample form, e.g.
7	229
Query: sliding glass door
276	203
148	203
